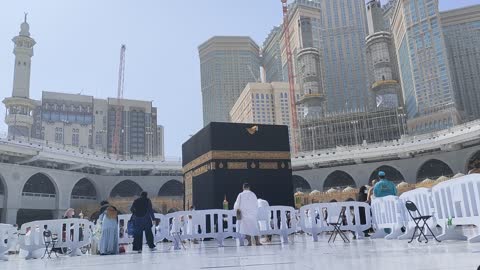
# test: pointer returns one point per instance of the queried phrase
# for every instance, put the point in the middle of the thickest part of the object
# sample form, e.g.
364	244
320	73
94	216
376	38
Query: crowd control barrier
7	235
388	217
314	218
422	198
457	202
72	234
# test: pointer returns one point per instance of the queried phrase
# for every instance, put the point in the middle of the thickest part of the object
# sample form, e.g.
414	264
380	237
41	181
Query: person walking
384	187
109	235
247	214
143	217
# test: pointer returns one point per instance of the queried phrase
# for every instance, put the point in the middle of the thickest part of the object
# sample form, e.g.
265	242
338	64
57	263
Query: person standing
109	234
143	217
370	195
247	214
384	187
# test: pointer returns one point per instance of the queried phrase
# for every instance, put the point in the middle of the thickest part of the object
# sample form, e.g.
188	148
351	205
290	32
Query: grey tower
343	29
227	64
271	56
382	59
461	29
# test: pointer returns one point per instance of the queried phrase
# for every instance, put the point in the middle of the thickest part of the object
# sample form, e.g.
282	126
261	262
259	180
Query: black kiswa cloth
222	156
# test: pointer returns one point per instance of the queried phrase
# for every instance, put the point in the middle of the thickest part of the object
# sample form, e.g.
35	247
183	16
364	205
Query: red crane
291	81
119	109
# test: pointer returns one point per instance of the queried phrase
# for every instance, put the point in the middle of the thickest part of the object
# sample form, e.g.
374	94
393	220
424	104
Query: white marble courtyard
301	253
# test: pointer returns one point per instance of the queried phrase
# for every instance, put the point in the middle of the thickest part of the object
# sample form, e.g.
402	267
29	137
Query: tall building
304	28
264	103
75	120
19	106
138	129
343	28
461	29
227	64
271	57
382	60
423	64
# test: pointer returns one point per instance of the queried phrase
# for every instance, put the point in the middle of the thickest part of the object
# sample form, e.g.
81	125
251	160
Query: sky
78	47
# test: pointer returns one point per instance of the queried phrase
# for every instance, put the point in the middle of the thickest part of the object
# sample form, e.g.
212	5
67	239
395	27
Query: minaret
19	107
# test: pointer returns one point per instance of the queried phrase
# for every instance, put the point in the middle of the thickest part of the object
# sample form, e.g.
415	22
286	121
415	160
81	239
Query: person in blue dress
109	236
384	187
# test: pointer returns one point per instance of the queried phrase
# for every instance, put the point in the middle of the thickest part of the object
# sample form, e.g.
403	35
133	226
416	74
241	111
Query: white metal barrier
388	217
281	220
314	218
215	223
422	198
72	234
158	230
7	235
457	201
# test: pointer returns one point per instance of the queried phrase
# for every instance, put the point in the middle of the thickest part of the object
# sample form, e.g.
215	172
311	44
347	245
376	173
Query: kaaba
222	156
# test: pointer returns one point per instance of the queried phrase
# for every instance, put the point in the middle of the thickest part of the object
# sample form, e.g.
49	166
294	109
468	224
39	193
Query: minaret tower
19	107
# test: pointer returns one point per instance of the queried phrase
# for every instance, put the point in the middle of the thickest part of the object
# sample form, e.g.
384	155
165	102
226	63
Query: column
11	215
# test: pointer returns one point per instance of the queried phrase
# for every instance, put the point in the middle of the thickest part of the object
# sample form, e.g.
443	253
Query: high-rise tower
461	30
383	68
227	64
423	65
19	107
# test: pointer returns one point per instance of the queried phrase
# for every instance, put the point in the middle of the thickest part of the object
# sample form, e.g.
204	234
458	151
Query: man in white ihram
247	214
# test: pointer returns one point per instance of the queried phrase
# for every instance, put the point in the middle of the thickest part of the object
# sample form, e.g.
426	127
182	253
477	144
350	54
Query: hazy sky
78	44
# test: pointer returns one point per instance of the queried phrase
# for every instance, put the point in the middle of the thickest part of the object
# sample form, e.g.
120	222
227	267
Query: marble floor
301	253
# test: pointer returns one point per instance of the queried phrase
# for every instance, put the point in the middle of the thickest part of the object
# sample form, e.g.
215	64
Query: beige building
264	103
67	119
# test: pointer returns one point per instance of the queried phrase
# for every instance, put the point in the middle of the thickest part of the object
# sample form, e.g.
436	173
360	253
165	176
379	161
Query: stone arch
40	183
300	183
172	188
473	162
39	199
339	179
84	189
433	168
126	188
392	174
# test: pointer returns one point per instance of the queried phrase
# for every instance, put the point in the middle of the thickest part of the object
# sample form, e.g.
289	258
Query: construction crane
119	108
291	81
